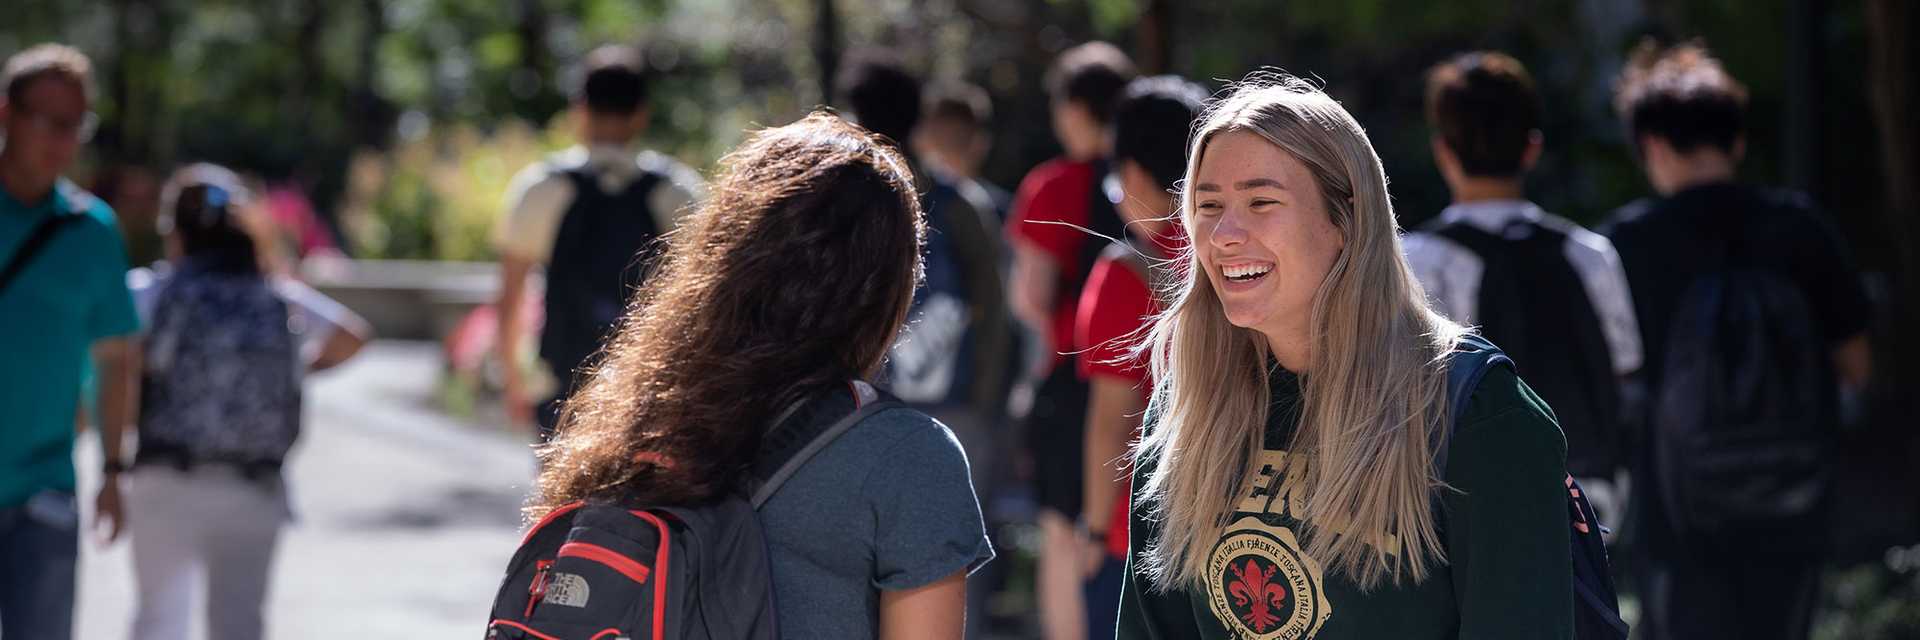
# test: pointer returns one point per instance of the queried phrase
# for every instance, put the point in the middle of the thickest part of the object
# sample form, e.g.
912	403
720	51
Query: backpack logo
568	590
1260	585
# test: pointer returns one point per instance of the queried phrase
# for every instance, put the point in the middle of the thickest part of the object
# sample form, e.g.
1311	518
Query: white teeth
1245	271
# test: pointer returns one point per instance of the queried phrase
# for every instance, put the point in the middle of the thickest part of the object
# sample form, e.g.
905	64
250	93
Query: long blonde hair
1370	404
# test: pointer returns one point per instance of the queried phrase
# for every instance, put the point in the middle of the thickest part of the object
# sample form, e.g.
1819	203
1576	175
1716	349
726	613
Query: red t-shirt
1113	308
1048	211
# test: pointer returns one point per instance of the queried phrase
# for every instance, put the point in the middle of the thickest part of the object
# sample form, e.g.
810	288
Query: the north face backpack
1534	303
600	255
1596	605
1743	420
221	374
607	571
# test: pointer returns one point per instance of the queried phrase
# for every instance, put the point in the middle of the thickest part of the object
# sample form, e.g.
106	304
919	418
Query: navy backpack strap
1470	362
867	401
36	240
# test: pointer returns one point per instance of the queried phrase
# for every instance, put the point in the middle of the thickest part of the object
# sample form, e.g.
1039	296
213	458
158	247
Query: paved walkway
405	516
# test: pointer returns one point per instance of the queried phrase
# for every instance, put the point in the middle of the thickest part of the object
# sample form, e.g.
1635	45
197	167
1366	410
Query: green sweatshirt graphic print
1508	575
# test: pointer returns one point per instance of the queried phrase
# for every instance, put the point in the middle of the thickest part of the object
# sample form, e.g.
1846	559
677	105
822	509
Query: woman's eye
1208	208
1263	202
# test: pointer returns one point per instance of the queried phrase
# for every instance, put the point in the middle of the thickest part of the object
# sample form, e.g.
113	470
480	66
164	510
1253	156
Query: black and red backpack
599	570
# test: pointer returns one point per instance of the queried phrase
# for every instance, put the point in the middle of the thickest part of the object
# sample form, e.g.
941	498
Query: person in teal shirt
63	302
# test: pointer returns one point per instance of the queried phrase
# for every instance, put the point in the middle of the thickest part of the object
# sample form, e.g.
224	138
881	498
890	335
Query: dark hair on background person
1683	95
1152	122
1092	74
1484	106
962	102
883	95
48	60
200	205
615	82
794	276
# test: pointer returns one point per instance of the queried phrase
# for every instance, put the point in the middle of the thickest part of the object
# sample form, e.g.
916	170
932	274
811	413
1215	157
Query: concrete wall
406	299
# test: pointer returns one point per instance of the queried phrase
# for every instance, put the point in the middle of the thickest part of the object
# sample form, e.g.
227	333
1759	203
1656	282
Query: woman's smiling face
1261	233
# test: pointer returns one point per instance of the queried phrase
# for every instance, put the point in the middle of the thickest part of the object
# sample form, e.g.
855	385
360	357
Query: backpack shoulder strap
1470	362
867	402
36	240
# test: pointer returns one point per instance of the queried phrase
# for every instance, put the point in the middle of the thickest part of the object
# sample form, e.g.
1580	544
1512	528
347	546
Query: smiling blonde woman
1287	486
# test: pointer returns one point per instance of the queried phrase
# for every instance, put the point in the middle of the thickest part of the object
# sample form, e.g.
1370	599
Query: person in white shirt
586	214
1552	294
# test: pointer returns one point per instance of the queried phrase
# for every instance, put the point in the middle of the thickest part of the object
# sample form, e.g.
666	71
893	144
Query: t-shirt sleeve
112	313
1046	211
317	315
536	199
1449	273
679	193
1113	307
1145	613
1507	528
927	523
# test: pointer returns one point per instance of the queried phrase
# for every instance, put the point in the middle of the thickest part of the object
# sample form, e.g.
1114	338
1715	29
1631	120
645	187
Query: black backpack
1743	418
600	570
1596	605
600	255
1535	304
1057	421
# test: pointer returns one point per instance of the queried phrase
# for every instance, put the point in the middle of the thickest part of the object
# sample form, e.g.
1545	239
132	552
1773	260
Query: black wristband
114	466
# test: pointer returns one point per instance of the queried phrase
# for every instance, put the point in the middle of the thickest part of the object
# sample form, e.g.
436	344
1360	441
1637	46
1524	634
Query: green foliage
299	88
1871	602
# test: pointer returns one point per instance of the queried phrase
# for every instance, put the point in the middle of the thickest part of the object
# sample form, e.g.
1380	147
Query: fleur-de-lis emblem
1252	588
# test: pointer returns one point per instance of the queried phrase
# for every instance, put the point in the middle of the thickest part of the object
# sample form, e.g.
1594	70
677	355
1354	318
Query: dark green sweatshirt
1509	573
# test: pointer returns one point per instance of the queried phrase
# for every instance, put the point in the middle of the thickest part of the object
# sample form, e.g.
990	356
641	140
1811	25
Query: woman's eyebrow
1259	182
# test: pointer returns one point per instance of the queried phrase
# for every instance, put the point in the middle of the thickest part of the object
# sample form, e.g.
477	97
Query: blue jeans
1102	594
39	545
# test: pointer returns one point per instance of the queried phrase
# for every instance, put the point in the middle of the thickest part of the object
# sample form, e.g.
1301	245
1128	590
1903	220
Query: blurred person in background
1549	293
1056	204
954	136
133	191
955	358
790	283
222	358
63	296
1754	320
588	214
1123	292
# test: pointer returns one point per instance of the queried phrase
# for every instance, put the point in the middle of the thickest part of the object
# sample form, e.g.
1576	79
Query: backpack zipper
538	588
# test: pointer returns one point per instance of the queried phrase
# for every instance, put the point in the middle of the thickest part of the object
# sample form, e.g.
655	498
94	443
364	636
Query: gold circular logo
1261	586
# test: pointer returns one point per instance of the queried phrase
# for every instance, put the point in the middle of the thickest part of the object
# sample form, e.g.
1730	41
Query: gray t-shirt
888	505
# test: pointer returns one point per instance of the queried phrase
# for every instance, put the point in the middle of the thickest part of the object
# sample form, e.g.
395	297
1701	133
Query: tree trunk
1890	83
534	96
372	116
1155	38
826	46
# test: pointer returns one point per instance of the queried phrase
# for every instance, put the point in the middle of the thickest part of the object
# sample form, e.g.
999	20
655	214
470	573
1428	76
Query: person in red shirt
1052	254
1150	128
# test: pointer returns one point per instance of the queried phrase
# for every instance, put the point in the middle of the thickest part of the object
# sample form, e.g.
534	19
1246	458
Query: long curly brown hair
795	275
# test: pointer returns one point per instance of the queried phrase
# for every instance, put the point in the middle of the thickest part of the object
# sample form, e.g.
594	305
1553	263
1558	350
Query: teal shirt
73	293
1509	573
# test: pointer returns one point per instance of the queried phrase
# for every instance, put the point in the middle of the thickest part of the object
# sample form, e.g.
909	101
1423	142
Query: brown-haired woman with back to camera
792	279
